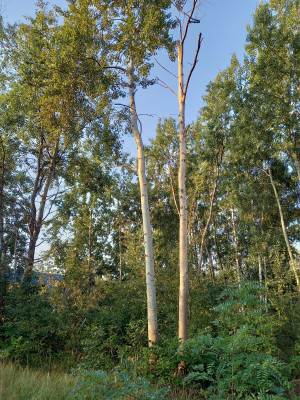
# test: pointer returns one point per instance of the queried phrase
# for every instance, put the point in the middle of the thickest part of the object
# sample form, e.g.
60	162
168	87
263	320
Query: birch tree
182	93
131	44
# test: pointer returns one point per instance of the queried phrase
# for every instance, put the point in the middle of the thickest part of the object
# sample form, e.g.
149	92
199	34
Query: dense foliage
81	302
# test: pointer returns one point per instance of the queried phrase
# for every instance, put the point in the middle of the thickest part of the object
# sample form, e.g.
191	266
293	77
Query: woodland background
81	304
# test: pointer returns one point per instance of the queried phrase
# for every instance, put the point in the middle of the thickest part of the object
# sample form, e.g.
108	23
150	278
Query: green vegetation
18	383
86	310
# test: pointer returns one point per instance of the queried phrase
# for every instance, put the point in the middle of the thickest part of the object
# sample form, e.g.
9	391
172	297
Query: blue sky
223	26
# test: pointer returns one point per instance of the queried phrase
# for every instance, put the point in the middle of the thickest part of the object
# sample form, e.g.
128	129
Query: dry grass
18	383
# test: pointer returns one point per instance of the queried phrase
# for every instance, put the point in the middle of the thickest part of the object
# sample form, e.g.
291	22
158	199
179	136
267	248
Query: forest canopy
173	273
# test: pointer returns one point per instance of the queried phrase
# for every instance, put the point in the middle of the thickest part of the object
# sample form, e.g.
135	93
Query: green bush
100	385
233	360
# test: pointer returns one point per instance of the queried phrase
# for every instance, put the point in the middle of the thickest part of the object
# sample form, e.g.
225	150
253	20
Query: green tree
58	104
131	27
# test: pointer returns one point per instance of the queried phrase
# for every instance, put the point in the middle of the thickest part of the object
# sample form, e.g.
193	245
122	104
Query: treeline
65	180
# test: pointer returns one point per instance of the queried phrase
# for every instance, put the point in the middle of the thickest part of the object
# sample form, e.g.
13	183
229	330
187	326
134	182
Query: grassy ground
23	384
18	383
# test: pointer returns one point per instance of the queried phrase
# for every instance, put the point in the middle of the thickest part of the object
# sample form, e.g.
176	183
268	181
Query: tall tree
273	49
182	93
58	102
132	44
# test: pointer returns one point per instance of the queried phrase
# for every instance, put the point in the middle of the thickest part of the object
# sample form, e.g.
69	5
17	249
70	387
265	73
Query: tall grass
18	383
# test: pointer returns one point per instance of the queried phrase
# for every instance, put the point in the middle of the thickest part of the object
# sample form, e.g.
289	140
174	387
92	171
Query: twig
175	76
194	63
164	85
128	166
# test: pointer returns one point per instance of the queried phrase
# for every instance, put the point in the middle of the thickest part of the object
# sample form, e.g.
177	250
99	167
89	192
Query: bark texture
183	242
183	259
147	229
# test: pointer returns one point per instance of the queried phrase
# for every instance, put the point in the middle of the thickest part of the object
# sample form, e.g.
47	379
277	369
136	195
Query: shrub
101	385
235	361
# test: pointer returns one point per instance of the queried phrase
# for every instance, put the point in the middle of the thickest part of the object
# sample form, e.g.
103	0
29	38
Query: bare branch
192	21
164	85
171	73
189	21
194	63
128	166
107	66
172	187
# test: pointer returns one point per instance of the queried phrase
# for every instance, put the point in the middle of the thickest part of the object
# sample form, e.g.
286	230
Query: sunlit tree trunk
3	264
182	92
292	260
90	256
217	247
297	165
183	259
15	250
120	245
235	238
147	229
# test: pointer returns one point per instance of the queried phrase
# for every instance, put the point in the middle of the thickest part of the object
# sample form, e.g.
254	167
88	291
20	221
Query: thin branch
131	109
107	66
190	20
164	85
172	187
57	194
193	20
171	73
128	166
194	63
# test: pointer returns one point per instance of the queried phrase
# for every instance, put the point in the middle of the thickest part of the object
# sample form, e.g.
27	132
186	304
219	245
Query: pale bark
237	260
2	241
120	246
297	165
260	277
3	263
182	92
90	258
292	260
210	263
217	247
147	229
172	188
183	259
15	251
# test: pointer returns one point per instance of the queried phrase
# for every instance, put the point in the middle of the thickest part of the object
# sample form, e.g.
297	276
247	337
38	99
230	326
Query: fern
98	385
235	362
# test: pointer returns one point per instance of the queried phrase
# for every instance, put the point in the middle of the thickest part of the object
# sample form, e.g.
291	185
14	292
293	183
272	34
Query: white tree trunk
235	238
292	260
149	259
183	259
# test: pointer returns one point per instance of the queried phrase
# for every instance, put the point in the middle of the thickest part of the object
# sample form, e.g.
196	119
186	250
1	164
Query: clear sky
223	26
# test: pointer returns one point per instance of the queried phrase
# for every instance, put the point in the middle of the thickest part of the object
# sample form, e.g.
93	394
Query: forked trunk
37	218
